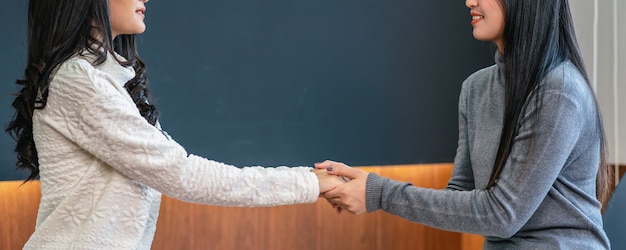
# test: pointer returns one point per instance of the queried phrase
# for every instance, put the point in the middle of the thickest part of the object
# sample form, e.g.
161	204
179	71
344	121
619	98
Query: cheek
116	22
500	28
116	18
123	24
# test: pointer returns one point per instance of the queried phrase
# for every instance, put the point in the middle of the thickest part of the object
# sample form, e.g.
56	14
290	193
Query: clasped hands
342	186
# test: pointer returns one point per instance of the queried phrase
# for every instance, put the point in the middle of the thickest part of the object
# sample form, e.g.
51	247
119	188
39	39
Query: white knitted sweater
103	167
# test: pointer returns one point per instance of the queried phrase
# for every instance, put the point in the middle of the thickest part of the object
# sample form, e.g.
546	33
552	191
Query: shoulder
566	90
78	70
482	77
76	66
80	76
567	80
484	72
482	83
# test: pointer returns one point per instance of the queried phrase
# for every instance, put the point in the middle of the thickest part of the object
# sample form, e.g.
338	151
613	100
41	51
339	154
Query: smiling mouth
477	18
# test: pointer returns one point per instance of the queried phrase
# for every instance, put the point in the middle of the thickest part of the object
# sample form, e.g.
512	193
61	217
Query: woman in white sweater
85	126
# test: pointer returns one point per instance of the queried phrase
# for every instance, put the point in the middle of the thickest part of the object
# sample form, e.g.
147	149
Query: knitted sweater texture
103	167
544	198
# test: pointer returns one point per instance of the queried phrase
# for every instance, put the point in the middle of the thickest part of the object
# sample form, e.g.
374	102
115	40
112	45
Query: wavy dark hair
538	36
58	30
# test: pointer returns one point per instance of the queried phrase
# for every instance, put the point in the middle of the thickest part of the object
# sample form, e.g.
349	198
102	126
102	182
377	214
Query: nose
144	1
471	3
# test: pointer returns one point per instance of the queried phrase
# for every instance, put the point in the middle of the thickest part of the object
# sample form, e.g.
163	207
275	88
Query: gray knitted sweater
543	199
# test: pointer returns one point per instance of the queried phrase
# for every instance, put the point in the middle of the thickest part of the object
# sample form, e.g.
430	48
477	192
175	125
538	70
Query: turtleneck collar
111	66
120	73
499	61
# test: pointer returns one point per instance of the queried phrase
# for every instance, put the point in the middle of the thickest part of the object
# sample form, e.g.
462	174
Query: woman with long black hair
529	171
85	125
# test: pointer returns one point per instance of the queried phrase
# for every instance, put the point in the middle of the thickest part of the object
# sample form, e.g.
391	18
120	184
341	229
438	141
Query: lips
141	11
476	17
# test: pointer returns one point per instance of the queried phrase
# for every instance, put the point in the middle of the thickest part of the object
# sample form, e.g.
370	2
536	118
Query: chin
138	31
483	38
141	29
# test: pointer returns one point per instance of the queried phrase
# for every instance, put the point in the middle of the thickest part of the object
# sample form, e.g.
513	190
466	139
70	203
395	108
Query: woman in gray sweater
529	171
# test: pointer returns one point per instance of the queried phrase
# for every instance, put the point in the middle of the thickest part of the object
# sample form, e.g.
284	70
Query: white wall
601	31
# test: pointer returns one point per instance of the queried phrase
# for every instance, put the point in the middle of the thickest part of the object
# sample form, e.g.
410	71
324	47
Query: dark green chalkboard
293	82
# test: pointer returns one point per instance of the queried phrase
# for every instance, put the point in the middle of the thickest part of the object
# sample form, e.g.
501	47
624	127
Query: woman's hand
327	181
349	196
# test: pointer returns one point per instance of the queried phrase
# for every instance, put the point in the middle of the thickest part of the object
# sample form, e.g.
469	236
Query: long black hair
58	30
538	36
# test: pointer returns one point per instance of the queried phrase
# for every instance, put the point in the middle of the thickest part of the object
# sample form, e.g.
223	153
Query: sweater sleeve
504	209
103	121
462	175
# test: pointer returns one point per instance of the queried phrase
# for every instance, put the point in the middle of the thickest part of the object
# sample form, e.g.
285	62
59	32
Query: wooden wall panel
402	234
174	225
309	227
215	227
288	227
471	242
346	231
18	212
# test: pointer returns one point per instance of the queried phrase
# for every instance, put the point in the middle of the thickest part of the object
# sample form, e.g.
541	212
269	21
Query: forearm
221	184
459	211
124	141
